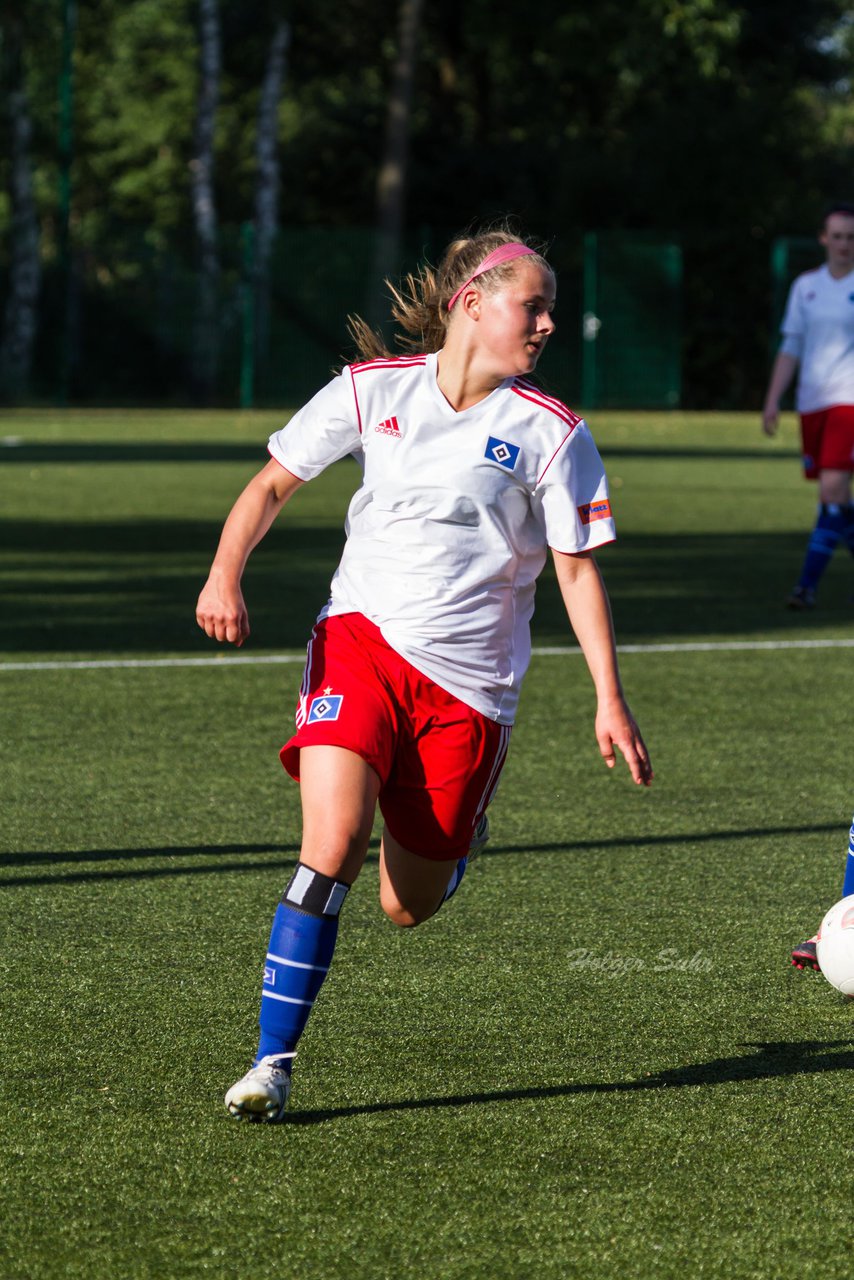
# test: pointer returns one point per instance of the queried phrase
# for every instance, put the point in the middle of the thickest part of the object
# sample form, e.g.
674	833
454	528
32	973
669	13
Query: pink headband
504	253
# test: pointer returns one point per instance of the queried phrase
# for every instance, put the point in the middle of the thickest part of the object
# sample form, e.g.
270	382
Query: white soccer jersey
818	328
451	524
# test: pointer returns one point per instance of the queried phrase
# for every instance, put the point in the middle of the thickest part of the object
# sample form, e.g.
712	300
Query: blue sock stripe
303	983
272	995
297	964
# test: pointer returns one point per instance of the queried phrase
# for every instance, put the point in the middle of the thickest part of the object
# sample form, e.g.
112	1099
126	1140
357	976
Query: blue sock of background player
830	529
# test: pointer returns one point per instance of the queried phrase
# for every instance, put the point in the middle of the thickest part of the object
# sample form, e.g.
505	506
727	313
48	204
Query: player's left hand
616	728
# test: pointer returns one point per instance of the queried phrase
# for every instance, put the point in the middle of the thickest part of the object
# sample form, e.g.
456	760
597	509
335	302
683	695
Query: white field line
566	651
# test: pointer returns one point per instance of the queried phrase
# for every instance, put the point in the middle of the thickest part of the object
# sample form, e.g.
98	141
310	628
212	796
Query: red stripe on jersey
538	391
393	362
551	401
356	398
556	452
529	392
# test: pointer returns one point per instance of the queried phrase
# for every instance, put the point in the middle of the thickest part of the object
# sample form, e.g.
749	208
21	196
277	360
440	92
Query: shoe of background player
262	1094
804	955
801	598
480	837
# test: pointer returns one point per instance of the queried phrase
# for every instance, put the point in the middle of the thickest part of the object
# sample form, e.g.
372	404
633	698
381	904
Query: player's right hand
770	418
221	612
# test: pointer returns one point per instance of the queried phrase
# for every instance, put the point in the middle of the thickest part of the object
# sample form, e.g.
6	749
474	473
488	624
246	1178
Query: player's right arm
781	376
221	610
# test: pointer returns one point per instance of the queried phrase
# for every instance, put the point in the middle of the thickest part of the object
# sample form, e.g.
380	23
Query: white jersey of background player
818	330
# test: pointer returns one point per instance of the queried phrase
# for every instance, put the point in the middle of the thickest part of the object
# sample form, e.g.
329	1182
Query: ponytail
420	305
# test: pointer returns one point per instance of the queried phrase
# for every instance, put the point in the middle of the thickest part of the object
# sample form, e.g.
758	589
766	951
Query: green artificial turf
595	1062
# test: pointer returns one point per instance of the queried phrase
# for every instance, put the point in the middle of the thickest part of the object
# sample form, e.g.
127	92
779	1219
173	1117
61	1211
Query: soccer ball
835	946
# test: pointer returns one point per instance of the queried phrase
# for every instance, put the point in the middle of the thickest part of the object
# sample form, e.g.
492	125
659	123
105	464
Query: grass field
595	1063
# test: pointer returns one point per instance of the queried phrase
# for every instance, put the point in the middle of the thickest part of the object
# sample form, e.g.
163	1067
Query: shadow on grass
113	451
54	857
131	586
133	451
774	1060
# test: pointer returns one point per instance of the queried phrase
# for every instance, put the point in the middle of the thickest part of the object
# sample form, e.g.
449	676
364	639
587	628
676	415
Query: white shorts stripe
271	995
296	964
305	685
492	781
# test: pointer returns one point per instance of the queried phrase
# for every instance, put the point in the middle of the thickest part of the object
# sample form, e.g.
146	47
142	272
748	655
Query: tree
267	172
205	338
20	316
392	175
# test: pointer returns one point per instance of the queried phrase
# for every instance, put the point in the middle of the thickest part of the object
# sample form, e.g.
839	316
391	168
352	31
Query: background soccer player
818	339
470	474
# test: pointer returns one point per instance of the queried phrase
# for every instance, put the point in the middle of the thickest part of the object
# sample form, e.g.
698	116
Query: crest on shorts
326	706
502	452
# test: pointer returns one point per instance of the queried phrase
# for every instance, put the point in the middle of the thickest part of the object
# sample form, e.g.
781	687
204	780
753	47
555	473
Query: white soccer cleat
262	1094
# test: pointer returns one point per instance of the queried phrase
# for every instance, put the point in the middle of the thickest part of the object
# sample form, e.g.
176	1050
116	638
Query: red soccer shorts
827	440
438	759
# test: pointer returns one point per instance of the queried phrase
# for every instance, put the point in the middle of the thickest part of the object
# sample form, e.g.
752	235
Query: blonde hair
420	303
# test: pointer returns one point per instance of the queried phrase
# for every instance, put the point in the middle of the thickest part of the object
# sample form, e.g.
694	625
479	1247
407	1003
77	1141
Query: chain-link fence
642	321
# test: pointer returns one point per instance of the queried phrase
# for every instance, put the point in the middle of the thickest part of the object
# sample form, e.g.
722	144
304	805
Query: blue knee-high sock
823	541
848	882
302	942
848	526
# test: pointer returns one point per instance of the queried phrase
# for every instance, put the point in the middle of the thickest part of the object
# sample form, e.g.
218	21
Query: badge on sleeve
599	510
327	706
502	452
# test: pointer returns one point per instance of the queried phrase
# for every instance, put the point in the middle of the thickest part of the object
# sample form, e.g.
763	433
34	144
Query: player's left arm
589	613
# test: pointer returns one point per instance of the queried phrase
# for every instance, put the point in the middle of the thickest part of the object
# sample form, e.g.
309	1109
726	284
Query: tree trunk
267	177
21	311
391	180
205	343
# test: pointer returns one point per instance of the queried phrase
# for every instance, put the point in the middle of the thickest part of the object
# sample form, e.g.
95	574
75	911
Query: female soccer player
818	339
470	474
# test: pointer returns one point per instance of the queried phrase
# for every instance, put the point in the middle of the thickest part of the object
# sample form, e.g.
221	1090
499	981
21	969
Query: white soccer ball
835	946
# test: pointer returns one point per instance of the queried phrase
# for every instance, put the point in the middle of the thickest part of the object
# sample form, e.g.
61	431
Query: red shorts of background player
827	440
438	760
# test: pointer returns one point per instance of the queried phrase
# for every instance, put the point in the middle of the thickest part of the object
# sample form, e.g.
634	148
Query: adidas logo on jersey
389	428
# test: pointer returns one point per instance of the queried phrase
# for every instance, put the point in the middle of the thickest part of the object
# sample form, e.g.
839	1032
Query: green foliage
726	124
137	84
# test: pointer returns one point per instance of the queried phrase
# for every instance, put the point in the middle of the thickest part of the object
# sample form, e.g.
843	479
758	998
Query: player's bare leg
412	888
338	791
